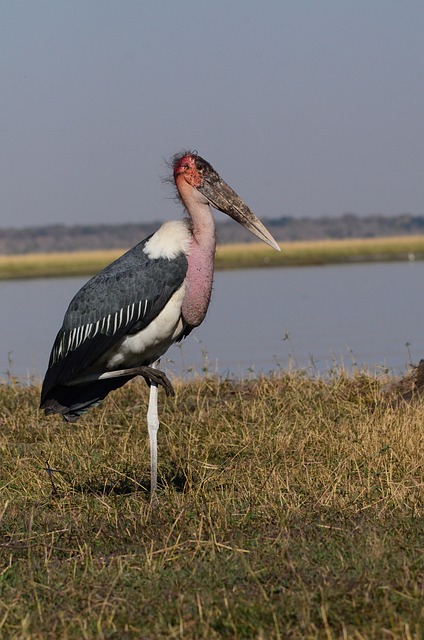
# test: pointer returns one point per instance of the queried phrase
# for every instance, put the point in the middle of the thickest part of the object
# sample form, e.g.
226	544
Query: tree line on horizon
60	237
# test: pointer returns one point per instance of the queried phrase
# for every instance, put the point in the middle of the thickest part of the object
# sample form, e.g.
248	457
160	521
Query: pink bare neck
201	255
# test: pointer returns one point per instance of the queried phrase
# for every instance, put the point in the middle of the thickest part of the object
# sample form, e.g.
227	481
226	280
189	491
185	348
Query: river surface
313	318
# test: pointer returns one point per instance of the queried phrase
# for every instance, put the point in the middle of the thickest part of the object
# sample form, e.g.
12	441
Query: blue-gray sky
304	107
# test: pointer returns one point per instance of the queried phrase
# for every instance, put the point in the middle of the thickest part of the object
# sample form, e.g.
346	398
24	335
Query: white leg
153	426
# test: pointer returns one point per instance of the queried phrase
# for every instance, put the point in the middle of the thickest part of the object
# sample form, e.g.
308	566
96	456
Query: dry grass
228	256
322	252
291	508
37	265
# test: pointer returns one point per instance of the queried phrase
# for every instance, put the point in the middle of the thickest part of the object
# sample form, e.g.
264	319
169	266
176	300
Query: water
259	320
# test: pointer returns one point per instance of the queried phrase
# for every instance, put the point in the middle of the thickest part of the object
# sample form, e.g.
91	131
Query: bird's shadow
126	484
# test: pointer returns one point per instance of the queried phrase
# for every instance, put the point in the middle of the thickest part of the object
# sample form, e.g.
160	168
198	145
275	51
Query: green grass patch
290	508
81	263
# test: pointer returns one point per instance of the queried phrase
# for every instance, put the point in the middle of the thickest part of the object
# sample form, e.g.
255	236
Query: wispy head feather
169	177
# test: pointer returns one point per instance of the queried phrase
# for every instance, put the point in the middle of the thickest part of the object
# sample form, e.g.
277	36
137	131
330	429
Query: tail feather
73	401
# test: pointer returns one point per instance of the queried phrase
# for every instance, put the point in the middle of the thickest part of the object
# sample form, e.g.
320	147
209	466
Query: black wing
122	299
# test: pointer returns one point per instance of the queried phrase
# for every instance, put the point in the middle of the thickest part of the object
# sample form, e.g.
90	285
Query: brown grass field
290	507
228	256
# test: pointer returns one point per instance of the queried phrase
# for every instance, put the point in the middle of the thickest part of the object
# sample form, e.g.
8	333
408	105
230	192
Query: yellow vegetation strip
235	256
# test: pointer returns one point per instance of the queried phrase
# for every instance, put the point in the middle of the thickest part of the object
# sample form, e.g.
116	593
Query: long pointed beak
222	197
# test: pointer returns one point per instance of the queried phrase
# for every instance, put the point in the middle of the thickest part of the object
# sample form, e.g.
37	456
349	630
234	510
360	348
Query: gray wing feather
122	299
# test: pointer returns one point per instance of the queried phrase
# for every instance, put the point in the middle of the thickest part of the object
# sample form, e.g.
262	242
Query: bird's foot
150	374
159	377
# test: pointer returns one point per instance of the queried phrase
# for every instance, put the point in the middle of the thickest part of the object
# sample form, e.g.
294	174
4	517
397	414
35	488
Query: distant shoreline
229	256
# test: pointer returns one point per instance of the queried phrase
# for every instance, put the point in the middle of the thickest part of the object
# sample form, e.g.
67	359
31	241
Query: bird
125	318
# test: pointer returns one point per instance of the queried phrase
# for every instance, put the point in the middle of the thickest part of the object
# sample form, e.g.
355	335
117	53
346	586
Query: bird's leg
150	374
153	426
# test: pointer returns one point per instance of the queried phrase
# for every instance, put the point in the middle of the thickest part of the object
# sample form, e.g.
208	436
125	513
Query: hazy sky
304	107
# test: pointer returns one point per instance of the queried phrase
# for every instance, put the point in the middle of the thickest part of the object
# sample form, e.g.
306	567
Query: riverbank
81	263
289	507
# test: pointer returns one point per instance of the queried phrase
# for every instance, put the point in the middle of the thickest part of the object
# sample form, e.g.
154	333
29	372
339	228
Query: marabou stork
125	318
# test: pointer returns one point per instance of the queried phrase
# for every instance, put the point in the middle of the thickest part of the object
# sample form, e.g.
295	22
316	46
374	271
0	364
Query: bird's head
200	175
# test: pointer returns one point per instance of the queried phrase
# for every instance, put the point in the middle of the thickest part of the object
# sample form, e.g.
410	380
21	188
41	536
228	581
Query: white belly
147	345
